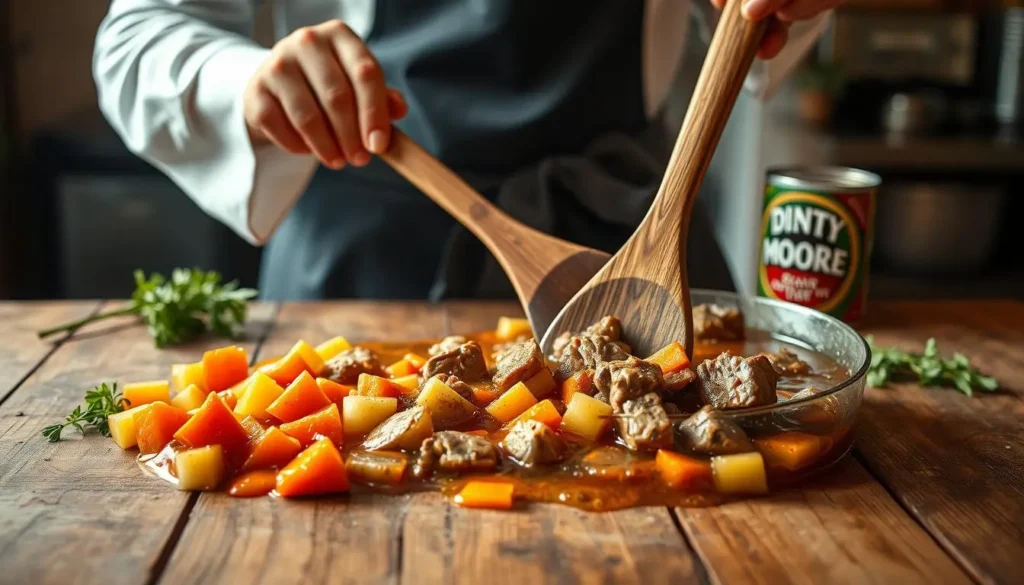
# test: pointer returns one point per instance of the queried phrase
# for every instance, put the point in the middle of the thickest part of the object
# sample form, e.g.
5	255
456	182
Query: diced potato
185	375
360	414
332	347
200	469
447	408
123	428
385	467
139	393
586	416
791	450
515	401
239	388
260	393
411	383
510	328
541	383
742	473
190	398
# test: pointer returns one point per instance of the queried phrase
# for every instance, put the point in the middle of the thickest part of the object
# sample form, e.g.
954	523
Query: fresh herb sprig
179	309
928	368
100	402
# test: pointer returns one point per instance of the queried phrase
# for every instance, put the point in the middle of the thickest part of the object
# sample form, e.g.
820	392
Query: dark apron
538	105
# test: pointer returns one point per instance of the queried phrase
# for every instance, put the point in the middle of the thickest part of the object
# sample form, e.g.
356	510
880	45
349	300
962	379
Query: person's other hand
785	12
322	91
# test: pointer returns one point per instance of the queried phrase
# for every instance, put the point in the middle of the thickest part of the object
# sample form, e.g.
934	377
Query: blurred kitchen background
927	93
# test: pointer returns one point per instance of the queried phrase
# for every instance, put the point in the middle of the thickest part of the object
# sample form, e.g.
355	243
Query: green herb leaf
100	402
926	368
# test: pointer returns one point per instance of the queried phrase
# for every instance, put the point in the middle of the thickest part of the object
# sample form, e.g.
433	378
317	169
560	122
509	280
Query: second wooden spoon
645	283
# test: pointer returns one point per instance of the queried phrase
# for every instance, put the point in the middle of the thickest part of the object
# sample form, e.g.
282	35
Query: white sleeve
766	76
170	76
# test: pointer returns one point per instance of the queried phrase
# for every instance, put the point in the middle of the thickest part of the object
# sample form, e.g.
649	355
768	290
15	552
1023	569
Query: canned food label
812	250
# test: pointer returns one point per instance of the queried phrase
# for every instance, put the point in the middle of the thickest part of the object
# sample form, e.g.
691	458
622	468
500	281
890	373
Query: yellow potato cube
510	328
140	393
360	414
586	416
310	356
410	383
541	383
238	389
742	473
447	408
515	401
123	428
184	375
200	469
189	398
332	347
260	393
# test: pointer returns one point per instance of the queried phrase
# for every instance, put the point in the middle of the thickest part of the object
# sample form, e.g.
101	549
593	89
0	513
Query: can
817	229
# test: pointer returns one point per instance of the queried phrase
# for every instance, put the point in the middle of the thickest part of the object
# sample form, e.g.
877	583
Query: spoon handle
728	60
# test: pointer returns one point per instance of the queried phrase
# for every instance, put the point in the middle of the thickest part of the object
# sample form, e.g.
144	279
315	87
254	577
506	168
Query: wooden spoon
546	271
645	283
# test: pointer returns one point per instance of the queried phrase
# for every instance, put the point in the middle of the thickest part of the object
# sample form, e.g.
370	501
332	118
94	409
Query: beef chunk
788	363
643	423
609	327
717	323
587	352
518	363
533	443
711	432
463	389
676	381
805	393
624	380
347	365
465	361
447	344
403	430
456	452
730	381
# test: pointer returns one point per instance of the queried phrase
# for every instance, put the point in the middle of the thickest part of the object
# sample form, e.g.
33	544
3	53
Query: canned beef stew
817	229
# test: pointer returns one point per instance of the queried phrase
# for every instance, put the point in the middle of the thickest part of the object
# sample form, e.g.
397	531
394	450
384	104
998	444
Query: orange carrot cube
285	370
300	398
415	360
225	367
324	423
334	391
274	448
543	412
214	424
370	385
317	470
157	426
682	472
671	358
582	381
486	494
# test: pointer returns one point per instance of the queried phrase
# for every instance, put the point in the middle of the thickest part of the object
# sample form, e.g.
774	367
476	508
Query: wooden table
933	494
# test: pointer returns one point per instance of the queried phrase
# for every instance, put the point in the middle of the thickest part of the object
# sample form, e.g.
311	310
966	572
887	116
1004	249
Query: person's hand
785	12
322	91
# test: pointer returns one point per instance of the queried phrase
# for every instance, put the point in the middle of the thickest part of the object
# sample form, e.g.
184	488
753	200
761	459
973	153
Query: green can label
815	249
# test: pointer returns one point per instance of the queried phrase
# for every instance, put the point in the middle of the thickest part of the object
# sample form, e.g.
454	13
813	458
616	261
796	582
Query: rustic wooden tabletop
934	492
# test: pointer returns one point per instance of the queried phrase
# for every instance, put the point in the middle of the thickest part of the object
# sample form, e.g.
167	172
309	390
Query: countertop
933	493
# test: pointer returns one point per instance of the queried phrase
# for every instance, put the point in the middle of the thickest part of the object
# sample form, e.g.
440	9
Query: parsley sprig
100	402
929	369
179	309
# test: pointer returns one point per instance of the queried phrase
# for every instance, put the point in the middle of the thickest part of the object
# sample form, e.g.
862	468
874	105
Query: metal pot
934	228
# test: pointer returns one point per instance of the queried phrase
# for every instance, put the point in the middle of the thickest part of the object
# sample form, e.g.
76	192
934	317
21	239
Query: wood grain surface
934	494
645	282
81	511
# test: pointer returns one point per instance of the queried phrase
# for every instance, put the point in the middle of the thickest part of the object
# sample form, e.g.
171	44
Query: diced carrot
370	385
314	363
214	424
791	450
225	367
228	397
285	370
400	368
184	375
253	428
515	401
263	363
486	494
334	391
274	448
682	472
317	470
157	426
260	393
140	393
582	381
544	412
484	394
332	347
671	358
300	398
415	360
253	484
541	383
309	429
